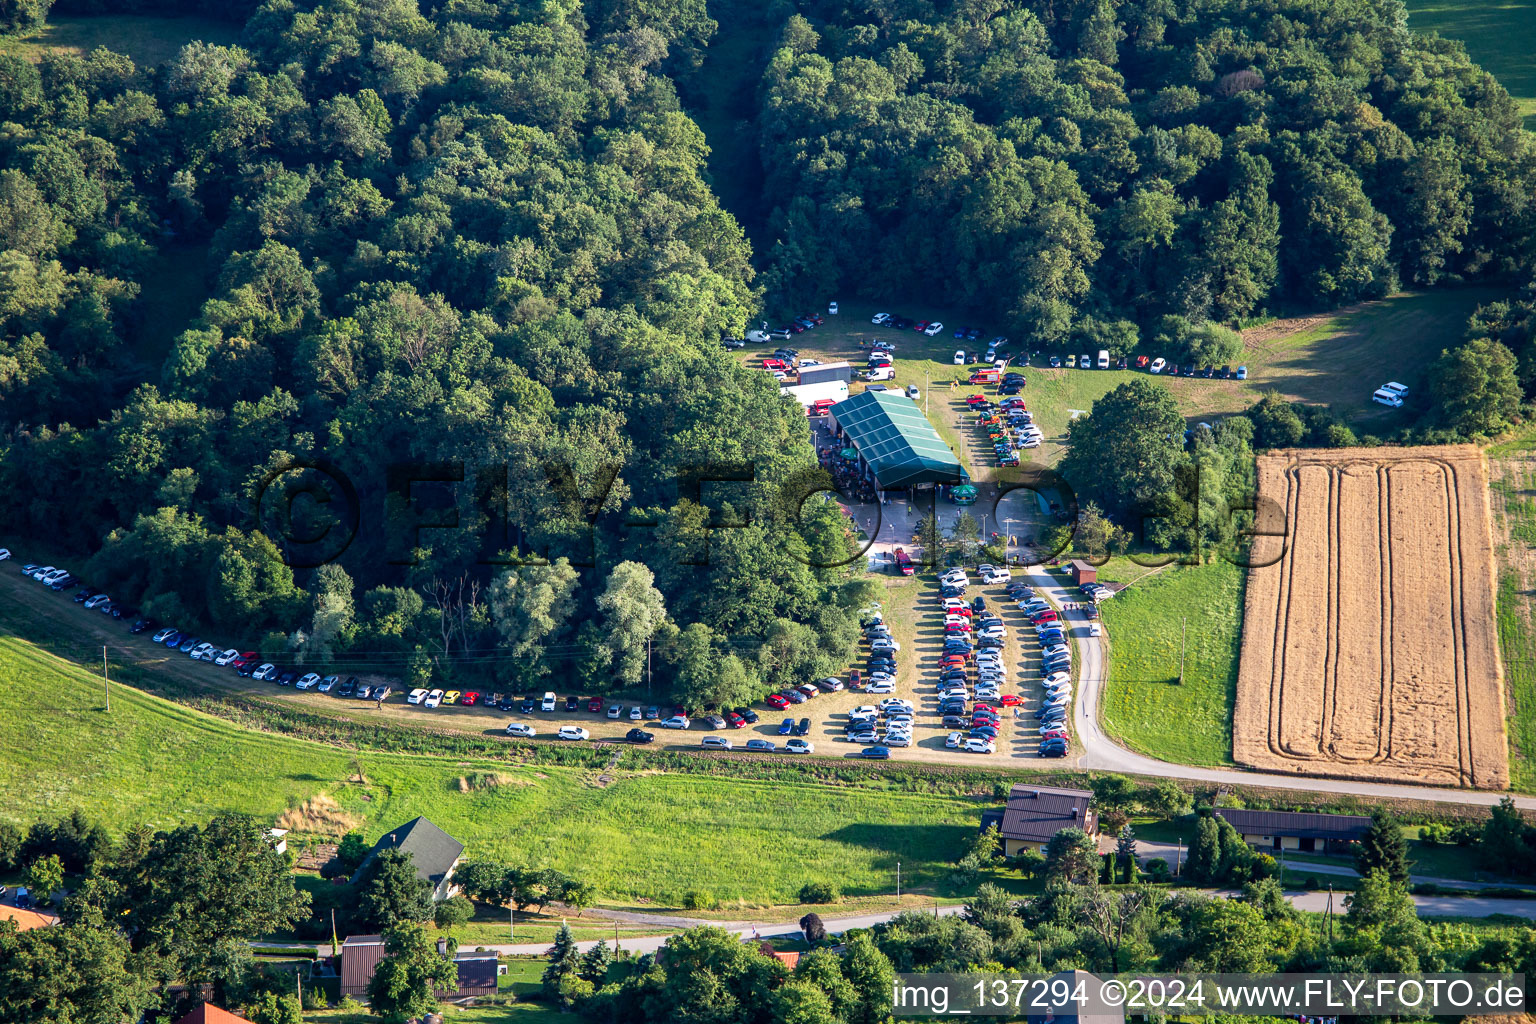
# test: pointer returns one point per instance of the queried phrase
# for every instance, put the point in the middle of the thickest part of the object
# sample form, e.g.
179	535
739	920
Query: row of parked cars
1055	670
974	636
1009	425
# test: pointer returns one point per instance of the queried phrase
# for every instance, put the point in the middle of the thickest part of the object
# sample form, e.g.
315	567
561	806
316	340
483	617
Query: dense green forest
1090	167
479	240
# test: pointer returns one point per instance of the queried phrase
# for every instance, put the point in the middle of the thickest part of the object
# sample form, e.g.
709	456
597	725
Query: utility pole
615	939
1330	912
925	391
1178	858
648	668
298	985
511	922
334	950
1183	633
106	684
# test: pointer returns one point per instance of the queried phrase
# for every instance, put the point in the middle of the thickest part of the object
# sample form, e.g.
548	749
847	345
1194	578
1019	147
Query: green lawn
1499	34
516	1013
646	837
1144	706
148	39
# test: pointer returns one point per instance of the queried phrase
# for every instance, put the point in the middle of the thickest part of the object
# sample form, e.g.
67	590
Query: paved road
1146	849
1101	752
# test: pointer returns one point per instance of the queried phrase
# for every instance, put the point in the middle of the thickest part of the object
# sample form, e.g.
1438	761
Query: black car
287	678
1206	371
979	604
245	670
1121	364
84	594
1225	373
571	703
804	728
142	626
526	705
955	722
748	714
347	688
640	736
876	753
119	612
67	581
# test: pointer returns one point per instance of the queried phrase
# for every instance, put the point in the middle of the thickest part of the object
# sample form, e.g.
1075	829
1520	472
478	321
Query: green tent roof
896	439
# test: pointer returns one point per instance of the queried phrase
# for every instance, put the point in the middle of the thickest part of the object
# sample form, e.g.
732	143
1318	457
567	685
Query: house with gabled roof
434	852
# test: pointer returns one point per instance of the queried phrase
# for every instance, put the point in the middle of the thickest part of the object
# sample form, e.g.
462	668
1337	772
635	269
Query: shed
823	373
477	975
1082	572
360	954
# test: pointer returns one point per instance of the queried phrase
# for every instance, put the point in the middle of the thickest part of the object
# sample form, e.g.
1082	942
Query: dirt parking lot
1369	645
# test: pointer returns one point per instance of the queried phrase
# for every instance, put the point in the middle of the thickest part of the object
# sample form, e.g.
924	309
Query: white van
1387	398
1103	358
880	373
548	703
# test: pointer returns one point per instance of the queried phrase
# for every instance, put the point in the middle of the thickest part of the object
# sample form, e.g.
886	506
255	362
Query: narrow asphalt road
1098	751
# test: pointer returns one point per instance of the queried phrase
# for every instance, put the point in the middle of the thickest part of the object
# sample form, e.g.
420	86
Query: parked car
676	722
638	735
522	729
777	701
876	753
715	743
572	732
762	746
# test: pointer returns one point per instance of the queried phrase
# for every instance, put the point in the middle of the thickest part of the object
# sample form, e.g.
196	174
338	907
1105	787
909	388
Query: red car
1009	700
1048	615
245	659
471	698
976	400
777	701
594	703
1141	362
921	325
735	721
855	679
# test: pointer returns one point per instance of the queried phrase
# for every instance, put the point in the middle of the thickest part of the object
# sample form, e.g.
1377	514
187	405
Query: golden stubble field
1369	644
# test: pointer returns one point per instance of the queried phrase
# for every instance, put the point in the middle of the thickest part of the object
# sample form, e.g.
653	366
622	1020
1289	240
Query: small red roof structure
787	959
210	1014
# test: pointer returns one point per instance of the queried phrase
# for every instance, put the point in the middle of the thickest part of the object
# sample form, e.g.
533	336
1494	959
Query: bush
1434	835
819	892
695	899
1311	882
1157	869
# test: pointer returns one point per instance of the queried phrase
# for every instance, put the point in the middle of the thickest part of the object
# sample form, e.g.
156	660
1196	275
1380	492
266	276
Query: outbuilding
1082	572
1297	830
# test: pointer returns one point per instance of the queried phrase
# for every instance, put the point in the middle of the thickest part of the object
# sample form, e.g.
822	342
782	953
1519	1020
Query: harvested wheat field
1369	645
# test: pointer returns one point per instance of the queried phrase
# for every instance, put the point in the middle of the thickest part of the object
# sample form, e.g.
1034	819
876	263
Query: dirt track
1369	645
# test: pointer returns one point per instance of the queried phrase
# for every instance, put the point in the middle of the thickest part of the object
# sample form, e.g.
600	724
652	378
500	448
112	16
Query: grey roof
825	372
896	439
433	851
1036	813
1302	824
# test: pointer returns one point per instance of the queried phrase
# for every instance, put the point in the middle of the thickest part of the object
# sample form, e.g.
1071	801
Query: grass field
1512	494
1499	34
1144	706
149	40
649	836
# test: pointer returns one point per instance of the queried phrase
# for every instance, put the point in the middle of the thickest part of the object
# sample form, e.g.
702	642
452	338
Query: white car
810	362
98	599
328	684
40	571
895	702
997	576
799	746
1158	364
636	713
864	711
914	392
977	745
882	644
1396	388
1057	678
675	722
1388	399
196	653
572	732
267	671
1094	629
521	729
1085	361
954	741
999	365
226	657
899	739
933	328
880	318
4	554
832	309
881	687
433	699
416	696
959	357
307	680
615	710
1030	442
